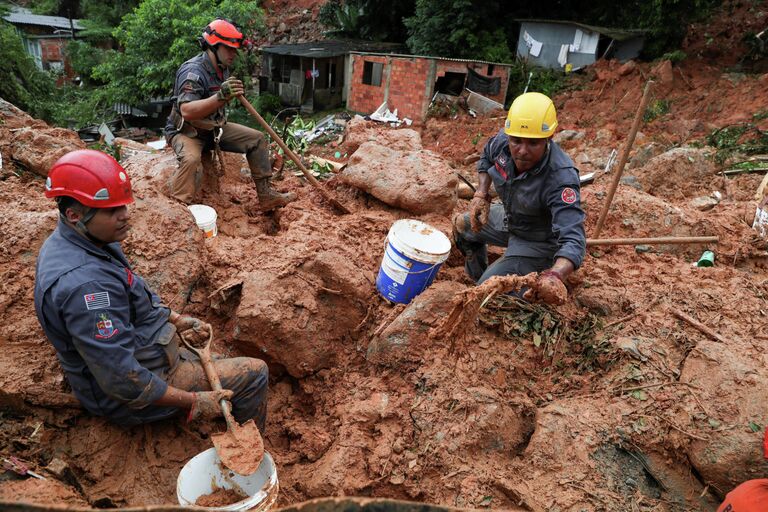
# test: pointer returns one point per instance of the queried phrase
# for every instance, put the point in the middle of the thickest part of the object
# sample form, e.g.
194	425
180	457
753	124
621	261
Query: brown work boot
270	199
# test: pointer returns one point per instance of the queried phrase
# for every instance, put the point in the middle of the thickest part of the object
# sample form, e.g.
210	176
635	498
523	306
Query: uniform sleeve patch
104	327
192	76
568	196
98	300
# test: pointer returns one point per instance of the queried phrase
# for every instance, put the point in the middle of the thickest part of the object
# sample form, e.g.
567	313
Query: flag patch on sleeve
98	300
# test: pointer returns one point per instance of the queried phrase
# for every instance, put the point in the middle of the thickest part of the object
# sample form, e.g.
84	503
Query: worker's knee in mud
460	222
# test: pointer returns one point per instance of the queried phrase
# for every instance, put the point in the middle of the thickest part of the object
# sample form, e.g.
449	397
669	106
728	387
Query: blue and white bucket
415	251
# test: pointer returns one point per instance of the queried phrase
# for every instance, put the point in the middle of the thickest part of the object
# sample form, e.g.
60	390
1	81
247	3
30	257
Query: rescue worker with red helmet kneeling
198	120
116	342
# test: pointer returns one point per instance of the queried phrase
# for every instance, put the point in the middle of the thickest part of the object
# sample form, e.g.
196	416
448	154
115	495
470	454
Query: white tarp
584	42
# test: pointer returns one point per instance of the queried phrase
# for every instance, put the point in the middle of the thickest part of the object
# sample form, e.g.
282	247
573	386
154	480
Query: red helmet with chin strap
93	178
221	31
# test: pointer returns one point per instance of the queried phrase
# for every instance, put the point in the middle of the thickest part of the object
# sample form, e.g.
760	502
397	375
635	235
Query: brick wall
366	98
52	50
404	83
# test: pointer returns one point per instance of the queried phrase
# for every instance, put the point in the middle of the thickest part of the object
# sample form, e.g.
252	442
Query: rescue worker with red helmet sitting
198	120
116	342
539	221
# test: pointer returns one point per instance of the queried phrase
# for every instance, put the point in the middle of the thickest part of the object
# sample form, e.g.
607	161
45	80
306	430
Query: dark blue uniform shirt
542	205
109	329
196	79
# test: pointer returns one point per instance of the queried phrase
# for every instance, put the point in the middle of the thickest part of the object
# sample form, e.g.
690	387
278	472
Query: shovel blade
240	448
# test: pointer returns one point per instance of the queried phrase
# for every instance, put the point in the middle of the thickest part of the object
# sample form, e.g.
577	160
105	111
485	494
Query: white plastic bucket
204	473
205	217
414	253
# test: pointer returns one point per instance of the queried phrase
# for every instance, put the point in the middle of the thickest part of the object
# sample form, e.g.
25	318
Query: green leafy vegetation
656	109
543	80
556	336
24	84
159	35
745	139
675	56
372	20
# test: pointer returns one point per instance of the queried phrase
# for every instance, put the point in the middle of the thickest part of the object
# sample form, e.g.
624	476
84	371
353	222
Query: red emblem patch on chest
568	196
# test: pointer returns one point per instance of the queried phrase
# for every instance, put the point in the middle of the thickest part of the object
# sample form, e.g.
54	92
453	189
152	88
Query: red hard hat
94	178
223	32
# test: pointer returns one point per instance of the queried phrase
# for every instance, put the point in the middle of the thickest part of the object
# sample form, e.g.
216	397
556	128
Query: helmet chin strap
218	59
80	226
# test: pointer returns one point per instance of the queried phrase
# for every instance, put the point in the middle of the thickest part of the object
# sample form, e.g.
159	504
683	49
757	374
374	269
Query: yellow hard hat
532	115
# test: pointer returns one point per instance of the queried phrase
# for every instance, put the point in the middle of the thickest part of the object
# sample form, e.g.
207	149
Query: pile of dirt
608	402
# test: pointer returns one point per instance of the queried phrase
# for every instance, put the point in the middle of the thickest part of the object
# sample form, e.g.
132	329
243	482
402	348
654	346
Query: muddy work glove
194	330
206	405
479	208
549	289
230	88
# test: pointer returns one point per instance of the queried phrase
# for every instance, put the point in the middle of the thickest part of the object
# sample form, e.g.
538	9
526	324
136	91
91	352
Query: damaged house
313	76
410	83
569	45
44	37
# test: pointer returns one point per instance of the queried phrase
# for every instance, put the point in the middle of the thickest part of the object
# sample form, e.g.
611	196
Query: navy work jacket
108	328
542	205
196	79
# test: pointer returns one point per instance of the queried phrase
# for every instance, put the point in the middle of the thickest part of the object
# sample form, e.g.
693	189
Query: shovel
240	448
293	156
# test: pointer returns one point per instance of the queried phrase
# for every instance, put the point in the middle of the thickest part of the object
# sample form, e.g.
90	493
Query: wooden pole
312	180
624	156
698	325
654	241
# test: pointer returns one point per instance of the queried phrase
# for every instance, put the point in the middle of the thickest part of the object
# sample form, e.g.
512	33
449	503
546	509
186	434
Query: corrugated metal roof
468	61
619	34
21	16
330	48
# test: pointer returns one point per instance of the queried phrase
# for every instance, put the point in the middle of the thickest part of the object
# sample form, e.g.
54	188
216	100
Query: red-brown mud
240	448
220	497
643	413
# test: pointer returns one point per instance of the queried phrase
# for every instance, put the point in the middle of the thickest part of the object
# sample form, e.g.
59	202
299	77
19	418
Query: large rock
360	131
299	319
418	181
680	171
37	149
736	380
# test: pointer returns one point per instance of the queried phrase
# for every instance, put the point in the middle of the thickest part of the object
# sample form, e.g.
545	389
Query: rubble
645	412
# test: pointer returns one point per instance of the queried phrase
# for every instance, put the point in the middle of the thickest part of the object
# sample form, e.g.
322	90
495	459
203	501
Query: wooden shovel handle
204	353
293	156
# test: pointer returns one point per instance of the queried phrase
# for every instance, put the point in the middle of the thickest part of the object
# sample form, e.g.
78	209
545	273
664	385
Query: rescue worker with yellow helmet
198	120
539	219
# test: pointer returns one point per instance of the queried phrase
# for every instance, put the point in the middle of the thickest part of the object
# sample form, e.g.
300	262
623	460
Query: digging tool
293	156
241	447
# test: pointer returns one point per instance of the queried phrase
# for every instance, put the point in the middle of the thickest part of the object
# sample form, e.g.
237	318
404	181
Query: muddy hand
206	405
193	329
549	289
478	212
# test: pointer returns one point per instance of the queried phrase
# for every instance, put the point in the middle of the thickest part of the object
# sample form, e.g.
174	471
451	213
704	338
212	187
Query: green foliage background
131	49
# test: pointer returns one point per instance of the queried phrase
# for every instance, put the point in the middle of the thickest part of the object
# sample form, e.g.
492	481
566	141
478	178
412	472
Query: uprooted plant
555	335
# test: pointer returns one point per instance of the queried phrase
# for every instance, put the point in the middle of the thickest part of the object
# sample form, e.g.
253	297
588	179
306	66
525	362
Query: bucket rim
266	495
410	251
202	213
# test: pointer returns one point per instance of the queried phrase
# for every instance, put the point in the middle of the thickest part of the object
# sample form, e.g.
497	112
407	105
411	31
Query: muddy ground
609	402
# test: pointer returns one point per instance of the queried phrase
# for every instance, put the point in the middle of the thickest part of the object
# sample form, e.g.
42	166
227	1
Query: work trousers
474	247
247	377
189	147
